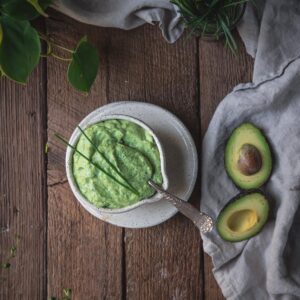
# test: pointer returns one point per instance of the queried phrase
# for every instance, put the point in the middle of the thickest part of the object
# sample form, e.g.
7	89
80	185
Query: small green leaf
52	298
5	265
38	8
67	292
83	68
13	251
20	49
46	148
23	9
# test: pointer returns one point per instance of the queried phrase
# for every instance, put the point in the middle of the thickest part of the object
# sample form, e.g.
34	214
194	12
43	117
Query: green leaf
83	68
13	251
38	8
20	49
67	292
46	148
23	9
5	265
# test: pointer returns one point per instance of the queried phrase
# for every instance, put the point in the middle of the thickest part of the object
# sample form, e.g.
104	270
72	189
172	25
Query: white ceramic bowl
69	166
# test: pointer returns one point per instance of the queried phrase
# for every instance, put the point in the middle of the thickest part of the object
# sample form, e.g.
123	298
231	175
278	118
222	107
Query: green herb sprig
106	160
12	254
20	46
67	295
46	148
96	166
211	18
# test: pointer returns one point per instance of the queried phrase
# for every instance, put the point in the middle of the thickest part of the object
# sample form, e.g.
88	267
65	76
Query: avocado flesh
245	134
243	217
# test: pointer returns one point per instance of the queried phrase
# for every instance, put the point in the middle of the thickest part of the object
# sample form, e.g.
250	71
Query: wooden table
63	246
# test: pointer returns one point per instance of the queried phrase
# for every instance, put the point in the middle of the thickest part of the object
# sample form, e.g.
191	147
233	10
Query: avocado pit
250	160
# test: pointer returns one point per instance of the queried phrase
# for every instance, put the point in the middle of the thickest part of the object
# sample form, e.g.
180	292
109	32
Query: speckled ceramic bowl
69	166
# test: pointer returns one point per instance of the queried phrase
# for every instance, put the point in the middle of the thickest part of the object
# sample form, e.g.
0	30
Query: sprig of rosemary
95	165
211	18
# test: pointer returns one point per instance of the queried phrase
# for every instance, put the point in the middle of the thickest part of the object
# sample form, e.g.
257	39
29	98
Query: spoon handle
201	220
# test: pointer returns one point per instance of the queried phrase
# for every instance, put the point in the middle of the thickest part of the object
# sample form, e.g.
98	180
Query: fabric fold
125	14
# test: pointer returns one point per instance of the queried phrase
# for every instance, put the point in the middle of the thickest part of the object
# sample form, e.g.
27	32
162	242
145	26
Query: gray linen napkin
125	14
268	265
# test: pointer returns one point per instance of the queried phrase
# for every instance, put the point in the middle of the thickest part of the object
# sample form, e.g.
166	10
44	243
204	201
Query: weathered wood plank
23	204
220	71
84	253
162	262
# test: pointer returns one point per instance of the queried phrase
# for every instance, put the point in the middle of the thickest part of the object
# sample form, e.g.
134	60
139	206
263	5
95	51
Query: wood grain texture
84	253
23	201
162	262
220	72
62	245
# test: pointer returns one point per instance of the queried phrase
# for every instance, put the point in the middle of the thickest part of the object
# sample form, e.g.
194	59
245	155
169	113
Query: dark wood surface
63	246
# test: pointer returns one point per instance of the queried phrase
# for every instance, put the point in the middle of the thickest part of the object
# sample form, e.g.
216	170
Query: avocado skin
253	188
236	198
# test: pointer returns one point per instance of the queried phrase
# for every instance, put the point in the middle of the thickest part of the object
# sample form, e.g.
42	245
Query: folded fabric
268	265
270	31
125	14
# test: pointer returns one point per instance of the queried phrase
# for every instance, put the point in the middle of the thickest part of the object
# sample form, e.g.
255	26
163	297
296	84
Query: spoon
200	220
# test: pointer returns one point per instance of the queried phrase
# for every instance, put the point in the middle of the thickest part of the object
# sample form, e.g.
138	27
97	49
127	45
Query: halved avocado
248	159
243	217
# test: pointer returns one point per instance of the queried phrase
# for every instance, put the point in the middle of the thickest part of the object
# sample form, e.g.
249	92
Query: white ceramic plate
181	161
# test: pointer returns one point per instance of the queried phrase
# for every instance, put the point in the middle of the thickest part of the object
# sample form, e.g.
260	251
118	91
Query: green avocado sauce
130	149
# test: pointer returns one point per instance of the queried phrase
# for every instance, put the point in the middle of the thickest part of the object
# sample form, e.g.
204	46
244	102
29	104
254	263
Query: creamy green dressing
133	152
